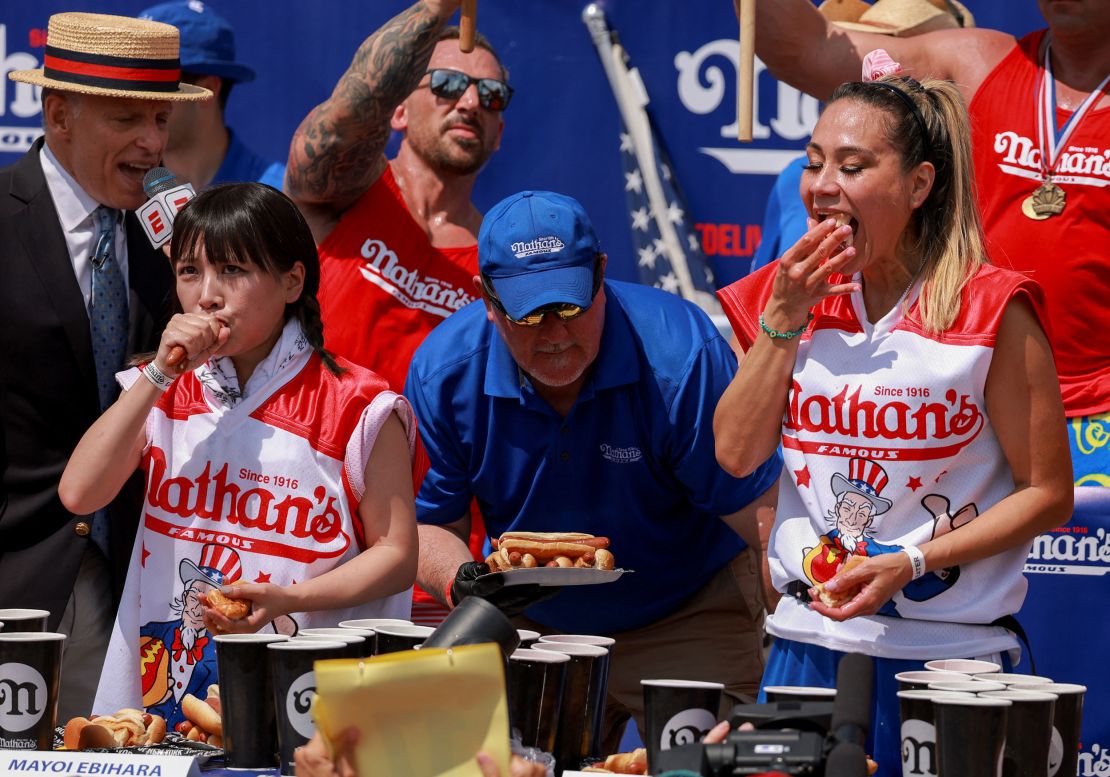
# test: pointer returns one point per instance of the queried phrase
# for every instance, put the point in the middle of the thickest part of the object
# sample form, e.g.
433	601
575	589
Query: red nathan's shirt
1068	254
384	287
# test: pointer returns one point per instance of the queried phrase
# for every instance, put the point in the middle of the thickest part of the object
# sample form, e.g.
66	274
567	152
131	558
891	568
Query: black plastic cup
393	639
798	693
246	700
360	642
23	620
474	622
535	695
918	732
294	682
968	686
582	711
30	674
919	680
1028	732
677	712
1067	720
971	734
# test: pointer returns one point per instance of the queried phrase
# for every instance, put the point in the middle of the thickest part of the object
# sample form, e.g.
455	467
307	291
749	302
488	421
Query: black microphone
851	717
167	196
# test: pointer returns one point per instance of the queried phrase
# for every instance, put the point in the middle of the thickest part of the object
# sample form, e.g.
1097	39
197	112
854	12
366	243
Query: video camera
821	739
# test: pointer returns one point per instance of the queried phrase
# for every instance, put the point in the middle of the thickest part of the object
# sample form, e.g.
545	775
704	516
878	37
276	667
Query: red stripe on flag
109	71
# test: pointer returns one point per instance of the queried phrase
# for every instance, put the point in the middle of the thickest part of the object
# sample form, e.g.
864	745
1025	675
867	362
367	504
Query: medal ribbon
1050	145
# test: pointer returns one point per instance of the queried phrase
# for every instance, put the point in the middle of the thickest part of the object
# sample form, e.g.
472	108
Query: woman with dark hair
272	471
911	386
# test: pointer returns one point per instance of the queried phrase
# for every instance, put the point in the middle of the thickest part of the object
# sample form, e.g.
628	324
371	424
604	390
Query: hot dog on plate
526	550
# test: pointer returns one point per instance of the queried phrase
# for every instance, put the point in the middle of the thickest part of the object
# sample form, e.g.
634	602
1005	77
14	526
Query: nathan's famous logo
1092	763
22	696
213	497
1070	550
409	287
1019	155
537	245
945	426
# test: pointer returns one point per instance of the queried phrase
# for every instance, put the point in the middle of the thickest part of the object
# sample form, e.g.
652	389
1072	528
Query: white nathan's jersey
265	491
887	443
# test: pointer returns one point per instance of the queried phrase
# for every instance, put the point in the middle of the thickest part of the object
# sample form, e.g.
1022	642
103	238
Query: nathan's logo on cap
539	245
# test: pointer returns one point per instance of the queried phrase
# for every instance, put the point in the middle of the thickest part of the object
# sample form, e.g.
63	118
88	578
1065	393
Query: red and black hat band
109	72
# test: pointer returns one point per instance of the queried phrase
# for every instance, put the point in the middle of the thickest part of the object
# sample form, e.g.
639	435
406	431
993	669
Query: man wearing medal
1040	115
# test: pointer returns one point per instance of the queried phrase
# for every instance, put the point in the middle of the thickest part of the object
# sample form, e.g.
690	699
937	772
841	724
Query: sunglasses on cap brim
493	95
565	311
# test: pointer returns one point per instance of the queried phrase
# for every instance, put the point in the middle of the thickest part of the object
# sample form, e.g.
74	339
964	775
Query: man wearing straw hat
80	288
398	237
1040	114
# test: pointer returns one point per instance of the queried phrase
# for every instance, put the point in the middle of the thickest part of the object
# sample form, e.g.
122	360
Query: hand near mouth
189	340
805	274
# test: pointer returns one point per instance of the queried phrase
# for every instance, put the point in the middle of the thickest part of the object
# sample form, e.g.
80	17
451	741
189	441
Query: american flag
656	267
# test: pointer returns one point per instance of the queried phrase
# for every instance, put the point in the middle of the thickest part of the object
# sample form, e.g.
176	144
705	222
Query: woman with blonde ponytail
274	473
905	378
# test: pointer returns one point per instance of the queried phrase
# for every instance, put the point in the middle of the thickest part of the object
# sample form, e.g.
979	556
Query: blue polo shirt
632	461
242	164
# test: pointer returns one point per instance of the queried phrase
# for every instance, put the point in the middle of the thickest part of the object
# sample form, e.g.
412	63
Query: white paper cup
962	665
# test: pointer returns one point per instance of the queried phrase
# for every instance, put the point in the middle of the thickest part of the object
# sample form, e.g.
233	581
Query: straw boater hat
901	18
113	56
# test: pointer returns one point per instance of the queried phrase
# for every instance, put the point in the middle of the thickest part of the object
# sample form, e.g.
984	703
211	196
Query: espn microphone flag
668	252
167	197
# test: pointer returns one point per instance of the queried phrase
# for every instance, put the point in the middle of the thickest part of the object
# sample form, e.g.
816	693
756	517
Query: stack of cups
23	620
246	700
582	711
361	625
535	689
393	639
360	642
293	680
1067	720
30	674
676	713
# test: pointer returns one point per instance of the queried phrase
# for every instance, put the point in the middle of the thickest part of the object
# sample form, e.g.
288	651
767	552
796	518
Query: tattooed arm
337	152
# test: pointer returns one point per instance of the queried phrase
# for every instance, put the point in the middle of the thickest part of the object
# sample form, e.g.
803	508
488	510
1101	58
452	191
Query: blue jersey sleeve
709	487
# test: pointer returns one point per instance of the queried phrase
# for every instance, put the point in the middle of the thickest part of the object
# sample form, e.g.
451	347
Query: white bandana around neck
1049	199
218	374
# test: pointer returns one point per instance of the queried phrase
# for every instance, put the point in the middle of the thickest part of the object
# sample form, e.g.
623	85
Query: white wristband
917	560
158	379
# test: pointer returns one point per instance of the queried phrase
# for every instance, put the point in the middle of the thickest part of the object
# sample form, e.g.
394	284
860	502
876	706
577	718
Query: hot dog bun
524	550
232	609
840	598
127	728
202	715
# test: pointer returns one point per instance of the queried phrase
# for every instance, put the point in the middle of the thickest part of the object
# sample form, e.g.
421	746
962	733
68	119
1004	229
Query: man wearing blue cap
202	149
565	402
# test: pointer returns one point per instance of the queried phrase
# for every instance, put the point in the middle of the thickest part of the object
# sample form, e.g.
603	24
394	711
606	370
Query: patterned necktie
108	325
108	307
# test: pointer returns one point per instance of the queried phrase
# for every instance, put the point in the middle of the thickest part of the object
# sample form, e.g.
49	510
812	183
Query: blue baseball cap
207	40
538	248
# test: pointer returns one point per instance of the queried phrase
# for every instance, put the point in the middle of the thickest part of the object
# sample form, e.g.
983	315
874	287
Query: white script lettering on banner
20	100
702	82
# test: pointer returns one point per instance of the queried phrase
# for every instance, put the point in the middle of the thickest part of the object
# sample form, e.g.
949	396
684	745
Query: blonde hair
945	232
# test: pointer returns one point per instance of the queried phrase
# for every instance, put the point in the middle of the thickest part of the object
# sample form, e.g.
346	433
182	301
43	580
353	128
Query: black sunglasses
566	311
493	95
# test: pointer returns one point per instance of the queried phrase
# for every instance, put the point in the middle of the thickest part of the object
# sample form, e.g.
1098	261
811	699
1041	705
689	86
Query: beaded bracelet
775	334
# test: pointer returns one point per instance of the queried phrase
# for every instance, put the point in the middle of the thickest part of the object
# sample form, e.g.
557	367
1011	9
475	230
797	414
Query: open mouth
842	219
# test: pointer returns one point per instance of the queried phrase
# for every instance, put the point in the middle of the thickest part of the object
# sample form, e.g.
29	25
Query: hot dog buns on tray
529	550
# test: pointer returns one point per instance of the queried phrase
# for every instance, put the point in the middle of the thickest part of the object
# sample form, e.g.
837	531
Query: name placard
63	764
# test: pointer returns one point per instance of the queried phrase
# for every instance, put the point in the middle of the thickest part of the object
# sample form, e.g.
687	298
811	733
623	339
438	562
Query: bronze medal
1048	200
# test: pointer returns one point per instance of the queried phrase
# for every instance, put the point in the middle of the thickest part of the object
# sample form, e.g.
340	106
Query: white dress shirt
75	214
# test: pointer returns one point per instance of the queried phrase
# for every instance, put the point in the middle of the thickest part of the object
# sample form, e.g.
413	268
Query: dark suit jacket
48	395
